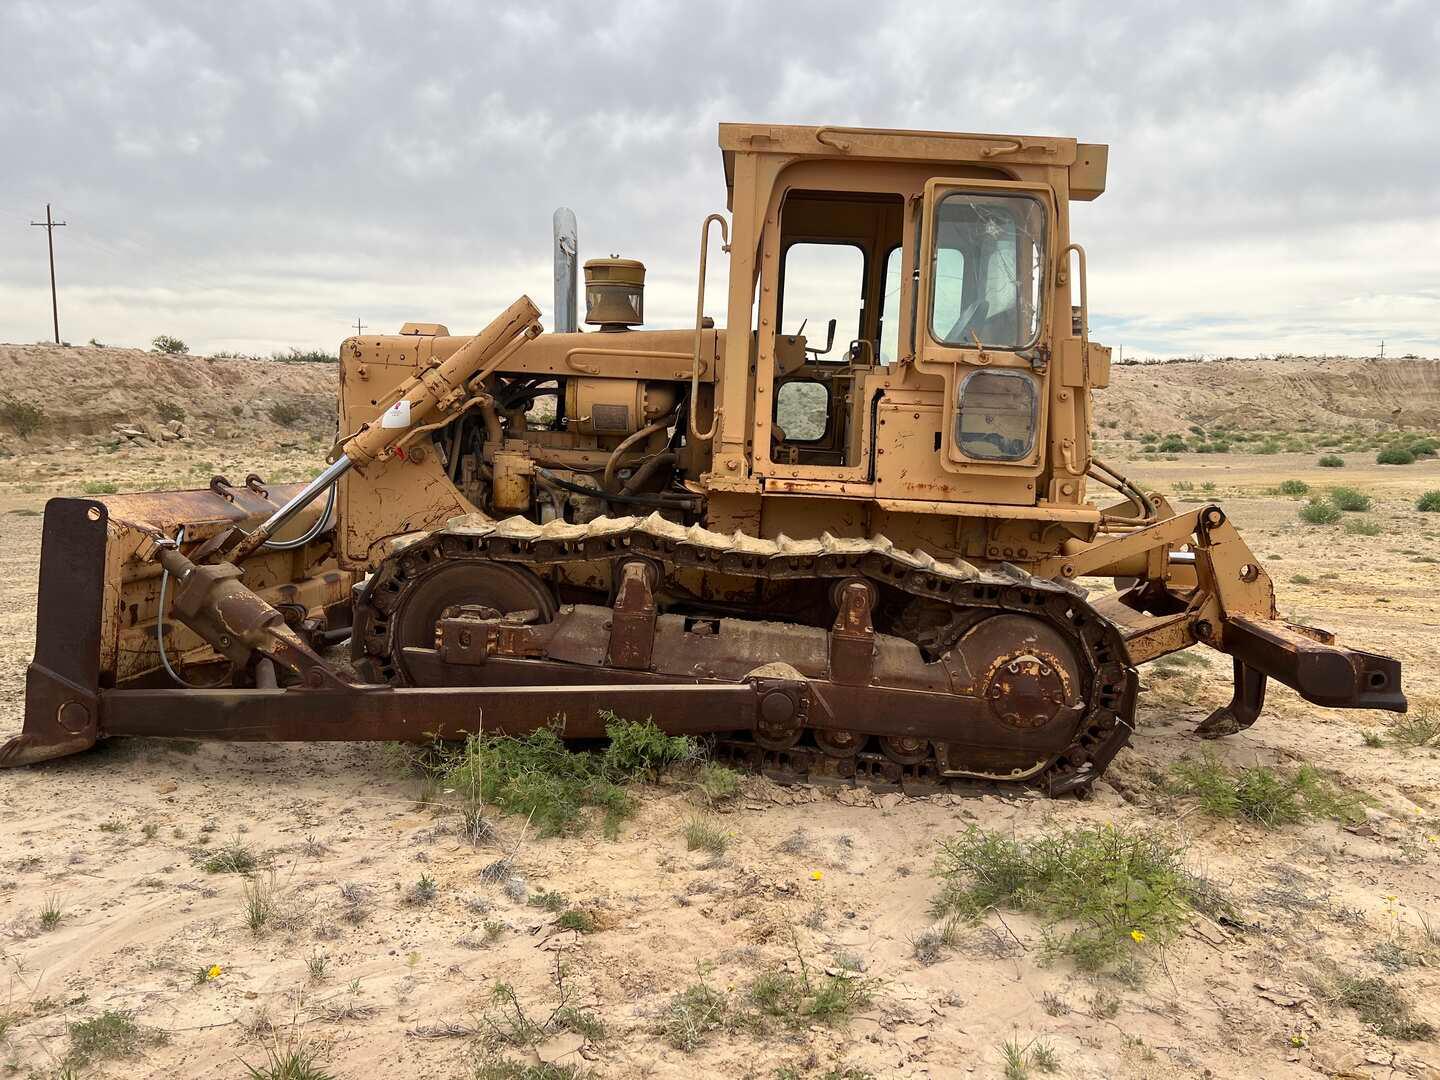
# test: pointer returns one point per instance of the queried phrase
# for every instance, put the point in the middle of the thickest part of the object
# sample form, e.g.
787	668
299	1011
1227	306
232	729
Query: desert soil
114	838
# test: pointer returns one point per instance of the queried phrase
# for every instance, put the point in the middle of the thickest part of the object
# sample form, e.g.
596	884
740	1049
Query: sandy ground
113	837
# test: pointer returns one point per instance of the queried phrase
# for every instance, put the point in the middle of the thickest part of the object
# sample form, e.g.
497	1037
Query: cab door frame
953	363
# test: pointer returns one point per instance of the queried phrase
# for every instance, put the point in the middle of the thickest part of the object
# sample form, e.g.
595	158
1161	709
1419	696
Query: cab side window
823	282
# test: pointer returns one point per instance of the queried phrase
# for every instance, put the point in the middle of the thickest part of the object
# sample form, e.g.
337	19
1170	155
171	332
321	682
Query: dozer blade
99	601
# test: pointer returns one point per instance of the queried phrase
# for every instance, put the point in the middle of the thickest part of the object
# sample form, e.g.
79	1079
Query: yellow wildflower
816	875
214	972
1137	935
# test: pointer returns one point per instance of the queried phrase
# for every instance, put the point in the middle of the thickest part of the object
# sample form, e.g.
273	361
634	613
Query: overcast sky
255	175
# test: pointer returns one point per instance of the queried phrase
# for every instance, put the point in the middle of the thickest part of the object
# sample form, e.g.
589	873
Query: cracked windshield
989	256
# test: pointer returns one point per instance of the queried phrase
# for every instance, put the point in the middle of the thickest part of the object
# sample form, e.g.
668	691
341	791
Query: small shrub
112	1034
1172	444
1417	729
1349	498
169	410
577	919
1294	487
1378	1004
171	346
1319	512
642	749
1363	527
98	487
259	902
1429	503
51	913
423	891
692	1014
1331	461
1115	887
1395	455
291	1063
1261	794
22	417
233	858
1372	738
702	834
717	782
286	413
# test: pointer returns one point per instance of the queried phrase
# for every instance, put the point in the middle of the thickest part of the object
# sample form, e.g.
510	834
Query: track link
1111	683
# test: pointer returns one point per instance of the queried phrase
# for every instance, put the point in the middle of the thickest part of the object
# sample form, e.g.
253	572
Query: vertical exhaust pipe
567	246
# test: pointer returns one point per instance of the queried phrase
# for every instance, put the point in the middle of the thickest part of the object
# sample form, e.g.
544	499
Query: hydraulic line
655	501
160	629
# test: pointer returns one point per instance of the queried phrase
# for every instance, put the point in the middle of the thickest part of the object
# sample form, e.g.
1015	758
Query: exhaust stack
567	246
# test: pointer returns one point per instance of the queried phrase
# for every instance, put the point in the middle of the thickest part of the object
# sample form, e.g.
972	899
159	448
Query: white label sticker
397	416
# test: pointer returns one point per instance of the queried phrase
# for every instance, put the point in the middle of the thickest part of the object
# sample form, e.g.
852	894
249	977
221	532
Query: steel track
1111	683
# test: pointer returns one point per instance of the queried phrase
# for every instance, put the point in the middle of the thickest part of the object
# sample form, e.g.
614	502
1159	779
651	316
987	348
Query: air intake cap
614	293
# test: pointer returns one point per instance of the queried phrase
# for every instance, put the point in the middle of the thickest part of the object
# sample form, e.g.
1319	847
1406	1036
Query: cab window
987	270
890	307
995	416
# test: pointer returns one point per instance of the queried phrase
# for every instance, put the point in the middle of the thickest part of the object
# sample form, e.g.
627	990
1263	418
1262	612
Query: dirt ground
112	837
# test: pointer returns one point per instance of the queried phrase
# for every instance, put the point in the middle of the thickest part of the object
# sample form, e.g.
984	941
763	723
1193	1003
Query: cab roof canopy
1086	162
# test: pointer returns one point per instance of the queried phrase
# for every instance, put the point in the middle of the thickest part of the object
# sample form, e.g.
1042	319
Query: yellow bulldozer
843	536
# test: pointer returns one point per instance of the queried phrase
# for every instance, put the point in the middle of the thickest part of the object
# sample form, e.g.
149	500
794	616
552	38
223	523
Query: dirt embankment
85	391
1282	394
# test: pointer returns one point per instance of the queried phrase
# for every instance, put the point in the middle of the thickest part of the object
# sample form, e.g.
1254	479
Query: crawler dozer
858	534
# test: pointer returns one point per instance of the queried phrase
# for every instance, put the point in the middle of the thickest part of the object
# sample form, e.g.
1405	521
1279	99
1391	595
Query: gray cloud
255	176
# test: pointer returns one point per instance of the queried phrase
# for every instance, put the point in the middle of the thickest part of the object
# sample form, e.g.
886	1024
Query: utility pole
358	326
50	227
1382	348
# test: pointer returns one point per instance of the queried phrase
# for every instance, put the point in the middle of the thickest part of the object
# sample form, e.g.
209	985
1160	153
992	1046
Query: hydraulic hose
660	502
640	436
311	533
160	629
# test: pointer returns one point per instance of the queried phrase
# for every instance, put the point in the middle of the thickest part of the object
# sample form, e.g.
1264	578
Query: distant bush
1395	455
1429	503
169	410
98	487
286	413
1331	461
24	418
1348	498
1149	437
1269	446
1172	444
172	346
1319	512
1425	447
1362	527
1294	487
305	356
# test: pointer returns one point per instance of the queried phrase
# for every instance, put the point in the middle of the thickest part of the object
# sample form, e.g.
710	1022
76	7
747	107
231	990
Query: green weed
1428	503
112	1034
1319	512
1263	795
1331	461
1113	887
1362	527
291	1063
233	858
98	487
1293	487
1419	728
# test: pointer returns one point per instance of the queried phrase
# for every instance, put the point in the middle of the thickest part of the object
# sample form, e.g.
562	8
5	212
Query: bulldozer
857	535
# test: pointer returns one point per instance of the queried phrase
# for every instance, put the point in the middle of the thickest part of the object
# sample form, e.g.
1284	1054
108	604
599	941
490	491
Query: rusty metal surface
416	714
1326	674
61	711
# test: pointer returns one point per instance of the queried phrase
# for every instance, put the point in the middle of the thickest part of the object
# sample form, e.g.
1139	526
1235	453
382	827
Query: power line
50	226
